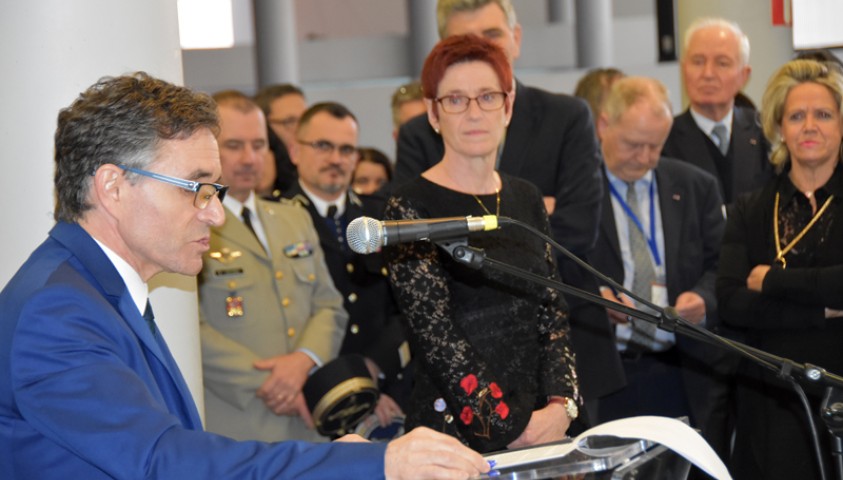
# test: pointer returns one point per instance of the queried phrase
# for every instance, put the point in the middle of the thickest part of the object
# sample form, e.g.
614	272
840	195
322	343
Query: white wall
51	50
362	72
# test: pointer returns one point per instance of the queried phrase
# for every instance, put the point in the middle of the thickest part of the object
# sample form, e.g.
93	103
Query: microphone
367	235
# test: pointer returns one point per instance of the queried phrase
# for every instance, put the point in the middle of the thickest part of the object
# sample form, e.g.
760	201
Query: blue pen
493	472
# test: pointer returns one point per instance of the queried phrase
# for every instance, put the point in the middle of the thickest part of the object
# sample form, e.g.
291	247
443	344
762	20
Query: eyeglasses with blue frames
204	191
324	147
488	101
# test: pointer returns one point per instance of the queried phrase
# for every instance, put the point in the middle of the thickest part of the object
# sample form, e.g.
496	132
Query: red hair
459	49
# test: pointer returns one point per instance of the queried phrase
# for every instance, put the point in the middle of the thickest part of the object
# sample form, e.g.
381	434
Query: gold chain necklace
497	201
781	252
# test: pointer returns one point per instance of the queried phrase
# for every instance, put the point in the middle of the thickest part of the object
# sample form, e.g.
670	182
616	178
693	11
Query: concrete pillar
52	50
770	46
276	42
594	33
560	11
424	33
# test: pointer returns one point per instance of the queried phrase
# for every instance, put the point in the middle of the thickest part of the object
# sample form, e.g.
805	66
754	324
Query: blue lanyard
651	240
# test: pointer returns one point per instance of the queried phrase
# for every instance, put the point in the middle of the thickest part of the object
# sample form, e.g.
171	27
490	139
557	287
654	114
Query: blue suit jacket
86	390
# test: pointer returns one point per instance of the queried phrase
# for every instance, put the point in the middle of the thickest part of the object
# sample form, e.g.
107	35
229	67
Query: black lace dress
489	348
787	319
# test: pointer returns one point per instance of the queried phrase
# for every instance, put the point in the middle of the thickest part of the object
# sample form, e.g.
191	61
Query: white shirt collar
236	206
707	125
138	289
321	204
621	185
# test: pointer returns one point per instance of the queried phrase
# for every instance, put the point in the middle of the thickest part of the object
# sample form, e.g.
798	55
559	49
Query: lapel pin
676	197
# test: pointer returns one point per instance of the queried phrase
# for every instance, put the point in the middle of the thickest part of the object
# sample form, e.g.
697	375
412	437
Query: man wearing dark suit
325	154
676	212
725	140
715	67
88	388
551	143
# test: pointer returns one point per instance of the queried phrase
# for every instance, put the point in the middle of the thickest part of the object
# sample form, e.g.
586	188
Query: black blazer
550	142
374	325
286	174
745	167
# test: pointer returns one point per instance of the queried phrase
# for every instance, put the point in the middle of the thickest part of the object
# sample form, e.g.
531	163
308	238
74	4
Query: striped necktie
643	332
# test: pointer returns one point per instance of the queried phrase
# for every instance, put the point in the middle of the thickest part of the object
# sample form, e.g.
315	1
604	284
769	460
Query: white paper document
669	432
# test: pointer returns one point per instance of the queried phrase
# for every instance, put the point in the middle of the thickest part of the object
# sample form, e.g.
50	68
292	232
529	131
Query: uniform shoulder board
300	200
353	198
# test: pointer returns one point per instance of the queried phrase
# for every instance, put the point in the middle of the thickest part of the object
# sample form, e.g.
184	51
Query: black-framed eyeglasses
325	147
488	101
204	191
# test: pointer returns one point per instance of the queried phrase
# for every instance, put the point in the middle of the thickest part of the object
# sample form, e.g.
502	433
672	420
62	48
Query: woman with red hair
494	366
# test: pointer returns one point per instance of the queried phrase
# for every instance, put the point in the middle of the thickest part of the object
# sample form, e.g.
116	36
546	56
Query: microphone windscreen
364	235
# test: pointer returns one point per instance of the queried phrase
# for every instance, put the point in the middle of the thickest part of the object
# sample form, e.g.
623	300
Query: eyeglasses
324	147
288	122
488	101
204	191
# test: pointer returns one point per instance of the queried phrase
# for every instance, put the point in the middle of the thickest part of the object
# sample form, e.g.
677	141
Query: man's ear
294	150
516	34
107	187
602	125
747	73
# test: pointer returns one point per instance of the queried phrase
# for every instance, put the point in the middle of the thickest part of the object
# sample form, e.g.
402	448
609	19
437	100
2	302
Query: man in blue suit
88	388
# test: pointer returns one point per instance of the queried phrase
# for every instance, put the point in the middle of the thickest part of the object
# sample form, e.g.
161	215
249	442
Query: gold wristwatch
570	406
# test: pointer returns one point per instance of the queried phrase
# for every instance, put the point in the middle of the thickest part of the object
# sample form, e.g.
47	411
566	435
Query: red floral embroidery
469	383
503	410
467	415
486	407
496	390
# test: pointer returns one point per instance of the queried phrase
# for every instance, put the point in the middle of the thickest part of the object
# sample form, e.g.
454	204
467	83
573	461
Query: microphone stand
668	319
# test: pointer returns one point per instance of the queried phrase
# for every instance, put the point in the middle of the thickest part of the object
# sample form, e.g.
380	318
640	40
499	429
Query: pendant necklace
781	252
497	202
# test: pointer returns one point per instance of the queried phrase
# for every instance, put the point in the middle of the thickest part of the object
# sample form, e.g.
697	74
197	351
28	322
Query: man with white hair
713	133
725	140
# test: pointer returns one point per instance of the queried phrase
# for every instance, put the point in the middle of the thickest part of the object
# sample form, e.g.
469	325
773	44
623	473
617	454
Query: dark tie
246	214
643	333
149	317
722	135
247	220
335	224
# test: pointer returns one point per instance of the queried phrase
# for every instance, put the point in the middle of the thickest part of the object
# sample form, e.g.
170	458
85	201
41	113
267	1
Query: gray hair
628	91
446	8
121	121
